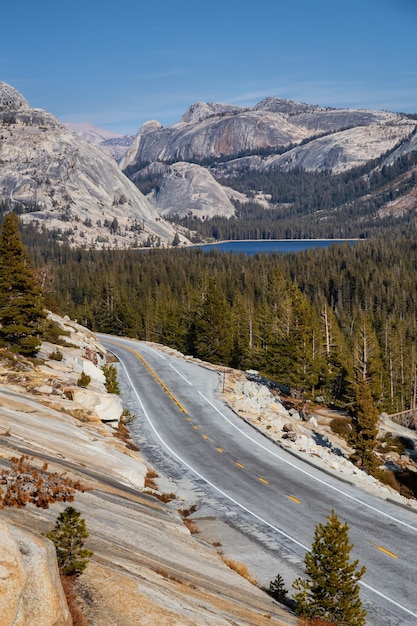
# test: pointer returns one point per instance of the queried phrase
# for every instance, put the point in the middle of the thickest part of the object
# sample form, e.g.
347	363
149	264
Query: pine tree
68	536
210	335
332	591
364	425
22	312
277	589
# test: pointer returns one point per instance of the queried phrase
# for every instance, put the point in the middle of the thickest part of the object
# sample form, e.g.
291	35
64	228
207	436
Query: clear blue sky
119	64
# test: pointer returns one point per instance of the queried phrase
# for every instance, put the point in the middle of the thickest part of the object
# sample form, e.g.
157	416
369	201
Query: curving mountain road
273	495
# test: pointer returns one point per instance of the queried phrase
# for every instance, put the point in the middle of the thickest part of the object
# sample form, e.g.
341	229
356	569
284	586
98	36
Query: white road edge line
179	374
241	506
175	455
320	480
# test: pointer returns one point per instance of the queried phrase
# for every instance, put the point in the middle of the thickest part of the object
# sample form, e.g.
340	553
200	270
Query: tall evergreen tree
22	312
364	425
210	334
332	590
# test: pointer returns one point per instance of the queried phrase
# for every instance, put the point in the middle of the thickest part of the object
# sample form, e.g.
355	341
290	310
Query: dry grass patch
149	479
78	617
123	433
165	574
194	530
241	569
163	497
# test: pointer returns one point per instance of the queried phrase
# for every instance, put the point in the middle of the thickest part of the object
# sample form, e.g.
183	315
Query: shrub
26	484
111	383
392	443
127	417
56	355
53	333
84	380
387	477
341	426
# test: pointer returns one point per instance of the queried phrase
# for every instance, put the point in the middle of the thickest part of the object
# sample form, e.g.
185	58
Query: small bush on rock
341	426
84	380
23	484
56	355
110	374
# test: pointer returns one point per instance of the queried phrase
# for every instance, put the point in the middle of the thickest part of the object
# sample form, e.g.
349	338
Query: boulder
86	366
31	591
107	406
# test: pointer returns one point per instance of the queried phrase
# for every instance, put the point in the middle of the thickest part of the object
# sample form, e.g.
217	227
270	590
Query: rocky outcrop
68	185
220	135
31	591
336	151
187	189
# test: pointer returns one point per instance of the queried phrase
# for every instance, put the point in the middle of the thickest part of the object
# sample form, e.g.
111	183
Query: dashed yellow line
219	449
240	465
149	368
195	427
262	480
294	499
394	556
206	438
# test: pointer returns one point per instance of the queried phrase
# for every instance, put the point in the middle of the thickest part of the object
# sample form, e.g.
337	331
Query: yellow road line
206	438
195	427
394	556
240	465
219	450
149	368
265	482
294	499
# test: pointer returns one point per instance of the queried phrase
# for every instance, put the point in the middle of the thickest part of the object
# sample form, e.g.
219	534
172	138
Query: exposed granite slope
68	184
146	568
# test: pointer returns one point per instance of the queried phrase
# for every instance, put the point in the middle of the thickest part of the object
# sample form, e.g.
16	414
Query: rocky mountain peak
150	126
61	182
200	111
11	99
281	105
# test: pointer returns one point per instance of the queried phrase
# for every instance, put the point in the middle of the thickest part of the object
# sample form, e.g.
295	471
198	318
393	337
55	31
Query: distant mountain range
286	169
114	144
181	166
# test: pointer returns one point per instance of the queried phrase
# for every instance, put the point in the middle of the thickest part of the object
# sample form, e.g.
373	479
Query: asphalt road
274	495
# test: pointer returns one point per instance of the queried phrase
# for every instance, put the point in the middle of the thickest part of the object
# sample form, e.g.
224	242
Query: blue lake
281	246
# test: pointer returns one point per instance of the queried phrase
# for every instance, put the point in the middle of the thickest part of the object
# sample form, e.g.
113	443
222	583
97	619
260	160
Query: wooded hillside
317	321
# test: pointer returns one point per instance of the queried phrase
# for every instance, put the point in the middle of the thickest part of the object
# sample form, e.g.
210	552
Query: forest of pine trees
319	321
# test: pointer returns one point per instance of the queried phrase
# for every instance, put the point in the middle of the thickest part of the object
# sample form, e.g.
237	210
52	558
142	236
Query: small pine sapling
68	536
277	589
84	380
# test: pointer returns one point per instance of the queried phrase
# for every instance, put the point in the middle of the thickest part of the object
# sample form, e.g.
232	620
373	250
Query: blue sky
119	64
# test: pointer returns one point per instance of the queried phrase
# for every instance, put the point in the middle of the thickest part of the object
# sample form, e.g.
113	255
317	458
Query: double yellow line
154	374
